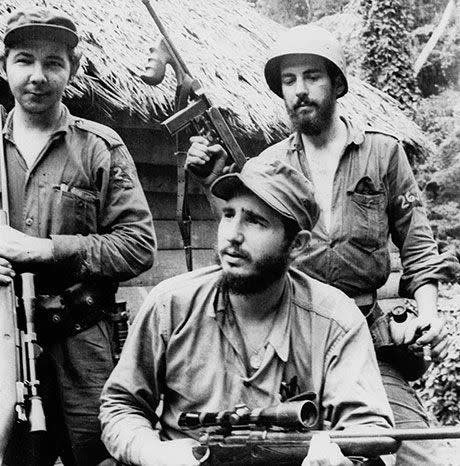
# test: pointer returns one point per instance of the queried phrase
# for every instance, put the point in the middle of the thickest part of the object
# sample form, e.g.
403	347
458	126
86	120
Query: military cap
280	186
40	23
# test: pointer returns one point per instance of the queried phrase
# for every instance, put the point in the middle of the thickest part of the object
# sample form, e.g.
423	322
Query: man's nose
301	88
38	74
235	233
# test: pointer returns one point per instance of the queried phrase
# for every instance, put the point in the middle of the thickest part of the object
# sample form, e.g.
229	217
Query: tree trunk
437	34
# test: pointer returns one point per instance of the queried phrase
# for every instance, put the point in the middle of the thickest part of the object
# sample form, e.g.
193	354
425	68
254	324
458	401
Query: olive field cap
279	185
40	23
306	39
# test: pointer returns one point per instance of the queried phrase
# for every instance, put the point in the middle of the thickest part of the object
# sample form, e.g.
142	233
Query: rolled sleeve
411	231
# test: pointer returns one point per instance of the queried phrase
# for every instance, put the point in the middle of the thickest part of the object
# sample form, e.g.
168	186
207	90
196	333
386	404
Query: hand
17	247
171	453
432	334
421	332
323	452
6	272
200	154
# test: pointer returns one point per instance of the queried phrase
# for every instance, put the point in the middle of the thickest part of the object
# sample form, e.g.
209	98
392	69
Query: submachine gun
193	109
281	435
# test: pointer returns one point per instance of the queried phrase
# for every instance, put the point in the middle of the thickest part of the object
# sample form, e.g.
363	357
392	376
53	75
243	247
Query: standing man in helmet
367	192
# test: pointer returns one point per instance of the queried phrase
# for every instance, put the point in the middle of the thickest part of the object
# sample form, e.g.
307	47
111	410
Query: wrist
41	250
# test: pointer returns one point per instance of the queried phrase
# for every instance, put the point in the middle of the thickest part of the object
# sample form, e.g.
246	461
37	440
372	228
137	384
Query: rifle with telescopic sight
282	434
22	409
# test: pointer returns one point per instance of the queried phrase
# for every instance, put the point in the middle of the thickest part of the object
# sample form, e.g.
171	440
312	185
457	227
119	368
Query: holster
409	364
78	308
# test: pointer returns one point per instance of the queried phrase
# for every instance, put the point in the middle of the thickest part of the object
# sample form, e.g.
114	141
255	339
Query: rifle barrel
433	433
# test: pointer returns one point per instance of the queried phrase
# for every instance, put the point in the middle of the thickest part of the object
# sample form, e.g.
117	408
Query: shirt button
29	222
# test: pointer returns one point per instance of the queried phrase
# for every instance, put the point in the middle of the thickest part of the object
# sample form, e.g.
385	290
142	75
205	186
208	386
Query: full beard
314	124
268	270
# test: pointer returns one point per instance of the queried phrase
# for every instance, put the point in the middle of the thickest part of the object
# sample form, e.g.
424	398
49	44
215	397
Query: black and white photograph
230	233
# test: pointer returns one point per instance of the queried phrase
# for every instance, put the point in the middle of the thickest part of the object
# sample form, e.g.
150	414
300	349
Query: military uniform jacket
82	192
375	197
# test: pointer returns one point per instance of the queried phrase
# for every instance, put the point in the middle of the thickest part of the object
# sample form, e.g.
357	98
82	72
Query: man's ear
3	63
339	86
300	244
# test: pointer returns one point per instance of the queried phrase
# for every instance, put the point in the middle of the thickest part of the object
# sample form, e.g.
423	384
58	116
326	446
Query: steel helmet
304	39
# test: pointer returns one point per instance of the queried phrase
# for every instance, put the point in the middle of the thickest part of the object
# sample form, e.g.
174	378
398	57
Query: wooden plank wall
153	154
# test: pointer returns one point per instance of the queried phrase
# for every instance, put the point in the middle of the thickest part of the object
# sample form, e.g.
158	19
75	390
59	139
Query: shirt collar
355	135
62	125
279	337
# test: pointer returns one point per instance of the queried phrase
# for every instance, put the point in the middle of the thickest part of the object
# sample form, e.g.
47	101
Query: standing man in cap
251	330
79	221
367	192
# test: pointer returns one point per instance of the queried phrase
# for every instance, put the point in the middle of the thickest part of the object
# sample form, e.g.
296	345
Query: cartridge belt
78	308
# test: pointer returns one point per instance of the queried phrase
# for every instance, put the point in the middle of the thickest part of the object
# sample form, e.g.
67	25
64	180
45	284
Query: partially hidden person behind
79	221
368	194
250	330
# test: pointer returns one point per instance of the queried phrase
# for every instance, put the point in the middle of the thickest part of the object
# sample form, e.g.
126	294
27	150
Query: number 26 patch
409	200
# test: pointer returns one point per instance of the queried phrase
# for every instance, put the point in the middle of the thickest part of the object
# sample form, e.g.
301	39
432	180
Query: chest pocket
367	218
75	210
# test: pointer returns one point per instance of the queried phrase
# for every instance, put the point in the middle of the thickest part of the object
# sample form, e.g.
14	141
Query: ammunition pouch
78	308
410	365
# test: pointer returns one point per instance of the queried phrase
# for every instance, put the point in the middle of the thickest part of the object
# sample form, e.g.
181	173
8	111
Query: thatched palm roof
225	44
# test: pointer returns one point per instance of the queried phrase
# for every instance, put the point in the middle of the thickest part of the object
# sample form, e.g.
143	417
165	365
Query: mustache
304	101
232	251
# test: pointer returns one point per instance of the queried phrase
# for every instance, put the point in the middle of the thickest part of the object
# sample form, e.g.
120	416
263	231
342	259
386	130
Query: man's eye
256	221
287	81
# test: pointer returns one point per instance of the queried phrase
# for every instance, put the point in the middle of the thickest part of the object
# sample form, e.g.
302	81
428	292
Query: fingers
323	452
229	168
432	332
440	345
410	331
431	339
6	272
197	154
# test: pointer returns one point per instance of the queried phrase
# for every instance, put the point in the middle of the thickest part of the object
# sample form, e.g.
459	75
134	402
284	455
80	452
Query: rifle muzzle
37	415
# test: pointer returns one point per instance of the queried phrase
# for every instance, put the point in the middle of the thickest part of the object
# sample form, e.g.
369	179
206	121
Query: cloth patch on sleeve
409	200
122	169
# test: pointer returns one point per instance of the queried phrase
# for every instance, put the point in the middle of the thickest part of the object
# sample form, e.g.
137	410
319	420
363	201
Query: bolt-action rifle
193	108
20	351
281	435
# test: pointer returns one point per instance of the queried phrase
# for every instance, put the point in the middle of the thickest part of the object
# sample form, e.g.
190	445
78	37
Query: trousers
409	413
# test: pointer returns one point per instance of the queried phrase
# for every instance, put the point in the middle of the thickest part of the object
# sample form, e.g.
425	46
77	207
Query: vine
387	63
